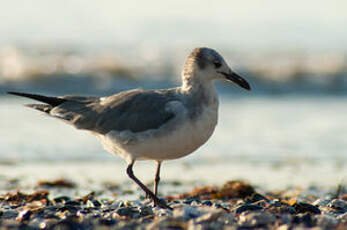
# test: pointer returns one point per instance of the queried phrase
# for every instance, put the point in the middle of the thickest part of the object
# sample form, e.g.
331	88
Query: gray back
134	110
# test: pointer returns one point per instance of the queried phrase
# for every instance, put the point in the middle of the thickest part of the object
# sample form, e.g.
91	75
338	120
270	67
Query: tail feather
40	107
52	101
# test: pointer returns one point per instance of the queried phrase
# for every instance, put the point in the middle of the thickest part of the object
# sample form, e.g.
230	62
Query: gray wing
135	110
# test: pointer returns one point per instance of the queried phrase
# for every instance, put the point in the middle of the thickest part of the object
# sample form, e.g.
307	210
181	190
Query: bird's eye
217	64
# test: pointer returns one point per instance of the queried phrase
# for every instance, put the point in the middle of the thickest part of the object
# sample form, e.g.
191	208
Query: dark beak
234	77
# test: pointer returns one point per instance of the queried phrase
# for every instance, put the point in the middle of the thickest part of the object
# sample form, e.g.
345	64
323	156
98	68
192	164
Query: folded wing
135	110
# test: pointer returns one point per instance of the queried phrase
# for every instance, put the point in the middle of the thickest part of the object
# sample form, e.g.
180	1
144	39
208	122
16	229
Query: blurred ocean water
284	129
294	117
295	111
67	71
287	140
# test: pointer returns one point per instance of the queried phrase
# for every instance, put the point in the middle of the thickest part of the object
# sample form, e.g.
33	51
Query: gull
158	124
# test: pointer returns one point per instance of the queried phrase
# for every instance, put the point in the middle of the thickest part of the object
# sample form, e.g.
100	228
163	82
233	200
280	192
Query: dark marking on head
199	60
199	57
202	56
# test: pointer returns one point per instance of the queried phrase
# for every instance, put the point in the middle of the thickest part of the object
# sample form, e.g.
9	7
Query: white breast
181	141
179	137
204	125
170	142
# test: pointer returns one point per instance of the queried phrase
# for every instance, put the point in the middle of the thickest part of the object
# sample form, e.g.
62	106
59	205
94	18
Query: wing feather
135	110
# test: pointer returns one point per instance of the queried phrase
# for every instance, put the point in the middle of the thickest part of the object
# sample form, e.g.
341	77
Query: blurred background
291	128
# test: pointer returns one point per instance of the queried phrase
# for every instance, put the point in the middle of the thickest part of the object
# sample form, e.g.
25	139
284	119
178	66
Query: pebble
61	199
256	219
187	212
72	203
209	217
338	205
254	211
207	202
342	217
167	223
327	222
306	219
24	215
284	227
247	207
321	202
107	221
127	211
256	197
145	211
302	207
9	214
93	203
190	200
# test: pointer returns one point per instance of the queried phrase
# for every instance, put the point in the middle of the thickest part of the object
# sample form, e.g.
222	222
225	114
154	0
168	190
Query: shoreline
265	175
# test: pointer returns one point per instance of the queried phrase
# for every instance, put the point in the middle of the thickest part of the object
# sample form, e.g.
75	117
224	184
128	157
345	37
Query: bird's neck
200	89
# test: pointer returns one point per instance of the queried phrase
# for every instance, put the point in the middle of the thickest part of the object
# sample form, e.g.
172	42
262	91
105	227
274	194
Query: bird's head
207	64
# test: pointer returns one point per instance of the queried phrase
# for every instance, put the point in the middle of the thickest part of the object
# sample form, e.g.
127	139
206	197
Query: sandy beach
63	203
85	195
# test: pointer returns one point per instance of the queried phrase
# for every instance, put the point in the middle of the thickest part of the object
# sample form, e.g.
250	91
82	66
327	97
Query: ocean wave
68	71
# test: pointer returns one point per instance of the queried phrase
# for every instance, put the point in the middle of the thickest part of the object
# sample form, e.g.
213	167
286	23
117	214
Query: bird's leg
155	199
157	178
